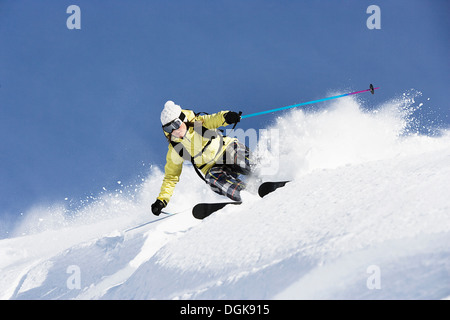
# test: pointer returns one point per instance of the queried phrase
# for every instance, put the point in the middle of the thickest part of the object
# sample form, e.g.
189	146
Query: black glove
232	117
158	206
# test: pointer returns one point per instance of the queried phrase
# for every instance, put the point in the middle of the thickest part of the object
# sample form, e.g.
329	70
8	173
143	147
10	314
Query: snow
366	216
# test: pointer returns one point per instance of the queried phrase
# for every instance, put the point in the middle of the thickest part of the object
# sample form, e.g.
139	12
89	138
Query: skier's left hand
232	117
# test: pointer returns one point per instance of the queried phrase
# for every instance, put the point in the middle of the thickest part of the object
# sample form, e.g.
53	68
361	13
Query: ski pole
167	215
371	89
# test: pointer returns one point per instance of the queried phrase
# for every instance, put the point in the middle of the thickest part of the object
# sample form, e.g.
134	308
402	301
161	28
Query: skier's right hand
158	206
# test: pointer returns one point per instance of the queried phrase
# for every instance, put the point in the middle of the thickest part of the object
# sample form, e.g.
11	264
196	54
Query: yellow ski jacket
205	147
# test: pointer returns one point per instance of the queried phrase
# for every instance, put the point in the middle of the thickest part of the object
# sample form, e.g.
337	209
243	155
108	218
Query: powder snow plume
365	216
345	133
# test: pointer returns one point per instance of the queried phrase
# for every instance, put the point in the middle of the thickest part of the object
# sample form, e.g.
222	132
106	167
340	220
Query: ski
270	186
203	210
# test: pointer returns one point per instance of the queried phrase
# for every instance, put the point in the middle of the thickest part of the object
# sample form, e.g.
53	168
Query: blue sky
79	109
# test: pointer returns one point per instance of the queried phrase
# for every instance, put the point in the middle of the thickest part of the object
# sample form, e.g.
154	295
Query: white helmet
170	112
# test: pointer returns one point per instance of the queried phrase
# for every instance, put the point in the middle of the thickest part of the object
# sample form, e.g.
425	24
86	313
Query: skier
195	137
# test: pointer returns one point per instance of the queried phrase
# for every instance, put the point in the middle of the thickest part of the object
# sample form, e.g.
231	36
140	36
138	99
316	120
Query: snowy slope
367	216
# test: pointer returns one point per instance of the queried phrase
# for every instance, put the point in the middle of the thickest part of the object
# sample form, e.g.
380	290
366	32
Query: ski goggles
173	125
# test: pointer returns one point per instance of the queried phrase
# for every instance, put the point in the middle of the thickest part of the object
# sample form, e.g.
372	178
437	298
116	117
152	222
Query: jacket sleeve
172	172
213	121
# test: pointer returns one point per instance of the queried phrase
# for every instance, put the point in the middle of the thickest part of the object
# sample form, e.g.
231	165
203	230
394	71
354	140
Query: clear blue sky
79	109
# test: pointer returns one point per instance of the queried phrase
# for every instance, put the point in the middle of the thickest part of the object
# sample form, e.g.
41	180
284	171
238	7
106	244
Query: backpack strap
182	152
199	113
